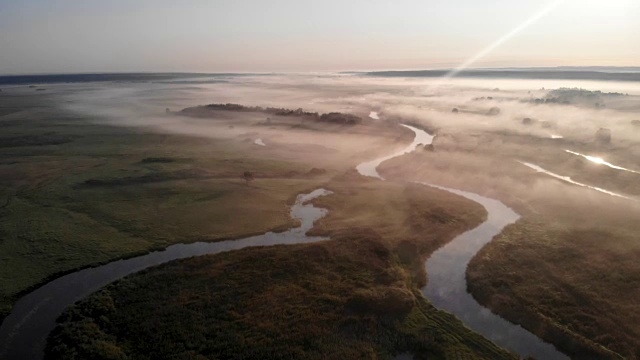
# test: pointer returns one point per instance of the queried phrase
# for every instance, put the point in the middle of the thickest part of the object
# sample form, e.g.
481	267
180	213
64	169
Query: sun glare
596	160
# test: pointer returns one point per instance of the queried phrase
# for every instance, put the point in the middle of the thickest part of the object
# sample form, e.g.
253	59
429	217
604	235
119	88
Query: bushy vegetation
413	219
579	307
355	296
568	270
343	299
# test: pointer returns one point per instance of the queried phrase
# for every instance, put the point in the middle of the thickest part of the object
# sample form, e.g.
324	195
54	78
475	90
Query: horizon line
169	72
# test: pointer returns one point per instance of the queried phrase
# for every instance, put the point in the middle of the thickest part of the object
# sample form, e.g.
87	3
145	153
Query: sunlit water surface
571	181
601	161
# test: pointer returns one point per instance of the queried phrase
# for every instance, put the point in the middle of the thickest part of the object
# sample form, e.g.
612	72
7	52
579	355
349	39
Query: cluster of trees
332	117
574	95
577	92
340	118
549	100
494	111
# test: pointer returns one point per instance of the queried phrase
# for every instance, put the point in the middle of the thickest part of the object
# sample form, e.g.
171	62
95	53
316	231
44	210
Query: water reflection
447	285
601	161
569	180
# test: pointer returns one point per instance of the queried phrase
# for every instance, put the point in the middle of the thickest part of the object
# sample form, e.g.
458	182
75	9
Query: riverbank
34	315
362	283
566	271
76	192
391	297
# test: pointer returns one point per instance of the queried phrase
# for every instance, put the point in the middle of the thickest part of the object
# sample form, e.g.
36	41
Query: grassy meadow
355	296
413	219
107	192
77	192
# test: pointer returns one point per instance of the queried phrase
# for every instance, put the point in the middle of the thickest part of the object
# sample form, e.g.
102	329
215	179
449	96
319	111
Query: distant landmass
557	73
603	73
103	77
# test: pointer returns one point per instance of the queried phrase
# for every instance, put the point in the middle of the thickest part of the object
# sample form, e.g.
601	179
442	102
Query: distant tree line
574	95
332	117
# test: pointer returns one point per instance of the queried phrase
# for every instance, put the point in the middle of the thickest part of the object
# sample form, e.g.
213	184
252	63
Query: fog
473	134
559	153
416	98
426	102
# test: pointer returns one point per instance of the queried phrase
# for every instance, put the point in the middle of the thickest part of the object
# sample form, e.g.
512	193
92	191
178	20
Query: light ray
504	38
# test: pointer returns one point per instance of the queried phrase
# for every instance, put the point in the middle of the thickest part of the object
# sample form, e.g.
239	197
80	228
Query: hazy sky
42	36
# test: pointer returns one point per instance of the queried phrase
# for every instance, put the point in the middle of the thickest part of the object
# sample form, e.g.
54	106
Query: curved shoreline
24	331
447	285
446	269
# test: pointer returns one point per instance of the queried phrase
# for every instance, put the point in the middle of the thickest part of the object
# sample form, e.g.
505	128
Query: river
446	269
24	332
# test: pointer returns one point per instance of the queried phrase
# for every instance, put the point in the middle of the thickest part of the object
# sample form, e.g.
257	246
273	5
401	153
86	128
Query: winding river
23	333
447	286
446	269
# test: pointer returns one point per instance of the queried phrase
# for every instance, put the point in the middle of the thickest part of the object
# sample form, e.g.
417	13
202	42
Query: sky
66	36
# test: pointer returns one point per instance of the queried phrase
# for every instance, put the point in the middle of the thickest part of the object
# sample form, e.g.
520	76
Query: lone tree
494	111
603	136
248	177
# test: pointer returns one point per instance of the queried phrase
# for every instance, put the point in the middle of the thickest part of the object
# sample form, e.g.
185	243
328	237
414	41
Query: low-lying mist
457	106
534	121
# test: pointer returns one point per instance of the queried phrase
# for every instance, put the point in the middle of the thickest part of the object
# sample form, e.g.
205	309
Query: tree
603	136
494	111
248	177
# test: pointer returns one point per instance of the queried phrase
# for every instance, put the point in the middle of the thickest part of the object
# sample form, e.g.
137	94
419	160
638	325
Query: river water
370	168
24	332
446	269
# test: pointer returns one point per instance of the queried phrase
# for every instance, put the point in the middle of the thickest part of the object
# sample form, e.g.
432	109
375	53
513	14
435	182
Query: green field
76	192
109	192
